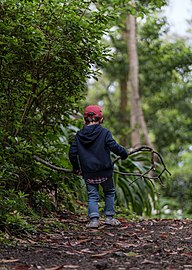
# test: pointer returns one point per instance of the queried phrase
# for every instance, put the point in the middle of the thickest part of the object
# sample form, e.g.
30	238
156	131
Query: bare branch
51	165
146	175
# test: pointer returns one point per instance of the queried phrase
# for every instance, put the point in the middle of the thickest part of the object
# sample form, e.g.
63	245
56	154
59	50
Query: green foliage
180	189
13	212
166	86
48	49
165	80
136	194
42	202
123	7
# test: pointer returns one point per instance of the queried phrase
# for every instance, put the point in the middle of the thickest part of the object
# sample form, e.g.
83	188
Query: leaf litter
148	244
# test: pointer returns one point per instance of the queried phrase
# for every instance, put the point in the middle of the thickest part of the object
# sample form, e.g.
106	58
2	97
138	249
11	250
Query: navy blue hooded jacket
90	152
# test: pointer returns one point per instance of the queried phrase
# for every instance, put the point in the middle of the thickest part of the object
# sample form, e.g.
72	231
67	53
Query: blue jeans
93	198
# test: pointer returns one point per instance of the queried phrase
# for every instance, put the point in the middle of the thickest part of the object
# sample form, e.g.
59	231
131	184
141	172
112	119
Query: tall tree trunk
137	121
123	107
133	80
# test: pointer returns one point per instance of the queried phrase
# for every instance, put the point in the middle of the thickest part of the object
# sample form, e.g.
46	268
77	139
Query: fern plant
135	193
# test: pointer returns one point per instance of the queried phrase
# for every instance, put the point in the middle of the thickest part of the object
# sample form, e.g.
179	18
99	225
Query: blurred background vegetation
58	56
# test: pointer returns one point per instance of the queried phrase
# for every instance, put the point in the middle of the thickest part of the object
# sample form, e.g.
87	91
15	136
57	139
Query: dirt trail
148	244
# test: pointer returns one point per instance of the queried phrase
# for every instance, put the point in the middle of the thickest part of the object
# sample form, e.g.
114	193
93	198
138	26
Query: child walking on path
89	155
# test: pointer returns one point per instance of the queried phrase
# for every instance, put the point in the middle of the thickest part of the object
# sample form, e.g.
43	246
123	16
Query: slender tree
137	121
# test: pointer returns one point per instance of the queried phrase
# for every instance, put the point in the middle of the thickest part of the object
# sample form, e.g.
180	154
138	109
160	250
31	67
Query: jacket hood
89	134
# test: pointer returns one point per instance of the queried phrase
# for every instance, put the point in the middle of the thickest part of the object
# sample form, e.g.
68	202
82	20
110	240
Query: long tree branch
144	175
44	162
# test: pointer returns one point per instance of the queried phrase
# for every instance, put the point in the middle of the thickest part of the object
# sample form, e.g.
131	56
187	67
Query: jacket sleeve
114	147
73	156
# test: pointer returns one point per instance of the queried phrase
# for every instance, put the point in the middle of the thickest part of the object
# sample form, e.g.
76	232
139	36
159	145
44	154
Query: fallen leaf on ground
180	248
148	261
86	250
109	234
70	266
55	268
187	254
78	242
163	235
63	266
125	245
21	267
124	227
131	254
9	261
104	253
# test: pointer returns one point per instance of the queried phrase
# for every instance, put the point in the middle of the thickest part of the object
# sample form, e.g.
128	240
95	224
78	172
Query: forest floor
65	243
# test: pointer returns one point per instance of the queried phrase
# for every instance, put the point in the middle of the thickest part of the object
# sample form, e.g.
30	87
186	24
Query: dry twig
148	175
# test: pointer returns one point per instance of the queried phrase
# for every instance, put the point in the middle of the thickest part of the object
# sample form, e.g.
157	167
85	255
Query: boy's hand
124	156
77	172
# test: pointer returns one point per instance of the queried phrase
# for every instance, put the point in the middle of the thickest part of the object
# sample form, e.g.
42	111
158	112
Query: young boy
89	155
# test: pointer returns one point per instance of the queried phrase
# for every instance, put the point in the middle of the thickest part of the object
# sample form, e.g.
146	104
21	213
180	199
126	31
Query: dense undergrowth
59	192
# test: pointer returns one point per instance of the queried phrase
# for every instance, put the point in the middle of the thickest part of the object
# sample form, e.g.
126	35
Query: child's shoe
112	221
94	223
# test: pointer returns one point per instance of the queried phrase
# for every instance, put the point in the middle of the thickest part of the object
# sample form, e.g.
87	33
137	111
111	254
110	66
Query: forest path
148	244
